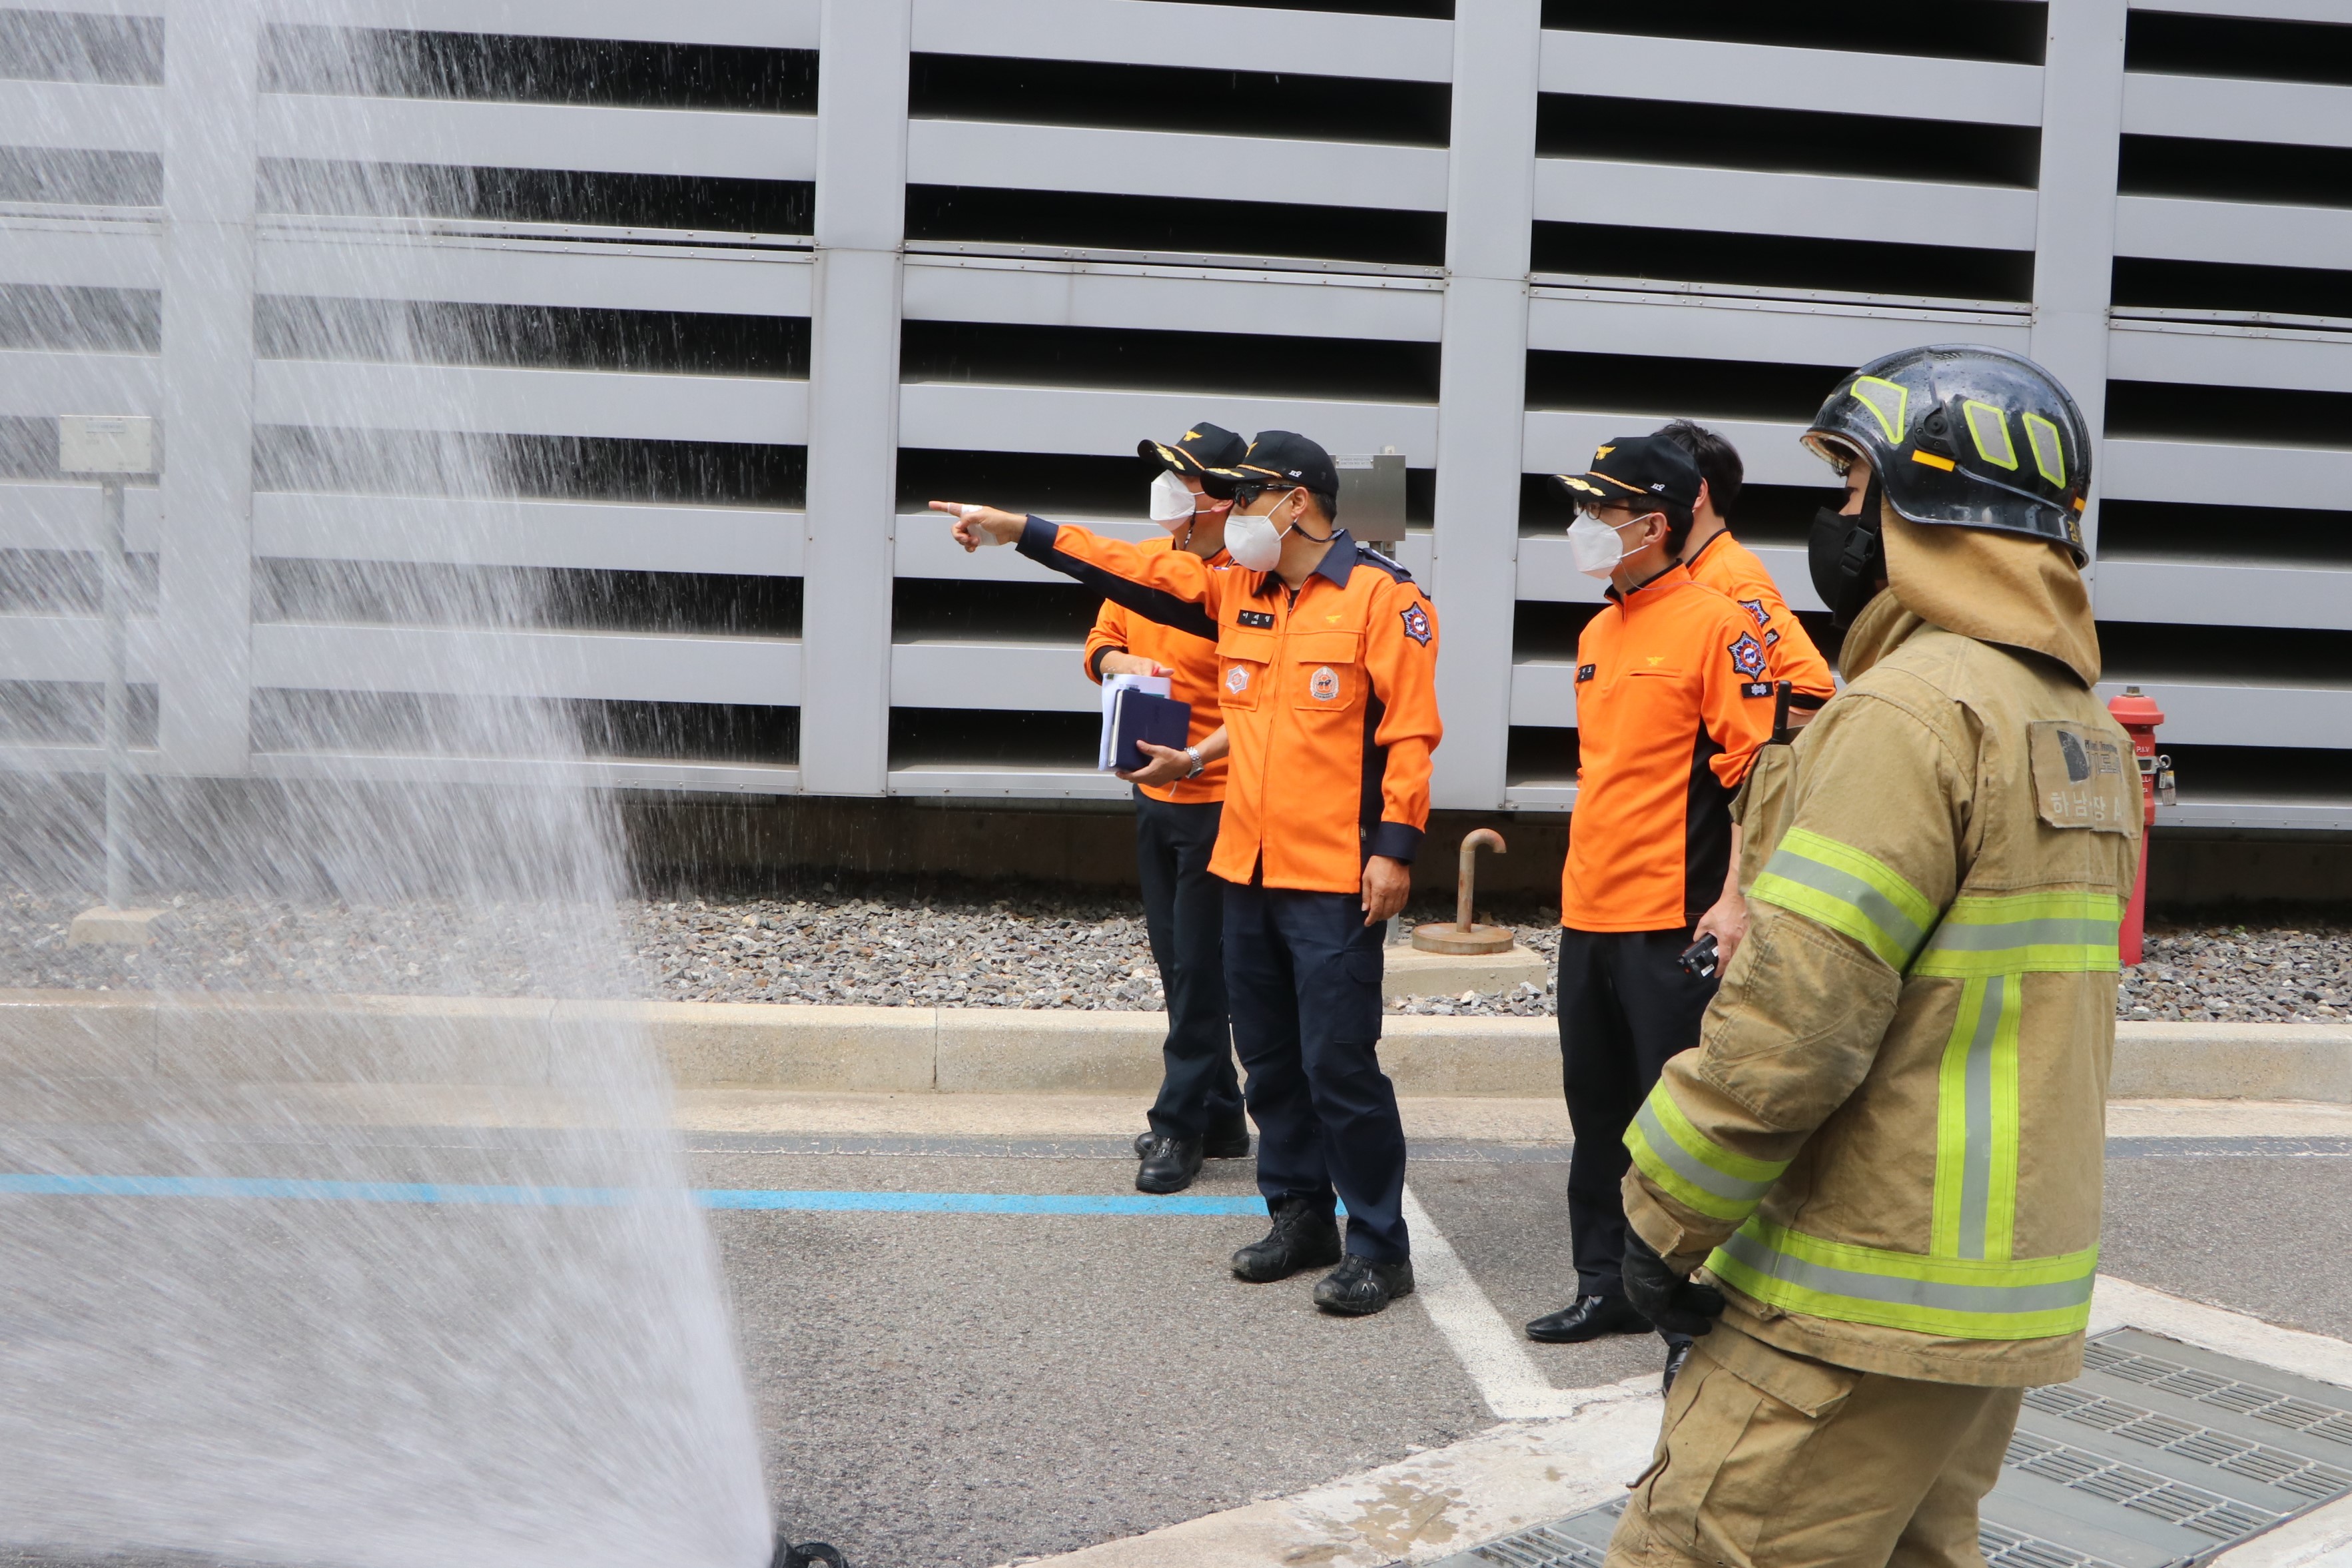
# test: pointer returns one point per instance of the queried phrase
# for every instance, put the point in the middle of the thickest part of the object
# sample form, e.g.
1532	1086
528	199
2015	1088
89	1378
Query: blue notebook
1140	716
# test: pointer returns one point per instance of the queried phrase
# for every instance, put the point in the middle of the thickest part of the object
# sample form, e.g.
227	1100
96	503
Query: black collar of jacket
1611	593
1339	564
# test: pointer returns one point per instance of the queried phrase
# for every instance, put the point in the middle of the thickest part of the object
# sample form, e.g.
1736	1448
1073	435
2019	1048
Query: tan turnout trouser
1773	1460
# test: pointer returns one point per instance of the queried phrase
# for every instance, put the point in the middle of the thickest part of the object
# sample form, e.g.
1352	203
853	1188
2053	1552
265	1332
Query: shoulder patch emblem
1416	624
1748	656
1756	608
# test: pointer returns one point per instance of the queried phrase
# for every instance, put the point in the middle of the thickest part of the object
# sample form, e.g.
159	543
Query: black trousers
1304	973
1185	912
1625	1006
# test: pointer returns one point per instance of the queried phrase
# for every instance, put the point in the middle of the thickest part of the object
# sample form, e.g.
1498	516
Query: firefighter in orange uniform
1178	799
1671	702
1328	655
1722	563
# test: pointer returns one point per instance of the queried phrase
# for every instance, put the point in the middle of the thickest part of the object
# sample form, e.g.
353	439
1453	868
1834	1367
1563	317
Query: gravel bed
1029	949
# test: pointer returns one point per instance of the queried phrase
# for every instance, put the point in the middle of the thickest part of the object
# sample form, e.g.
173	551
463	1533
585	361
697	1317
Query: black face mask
1847	557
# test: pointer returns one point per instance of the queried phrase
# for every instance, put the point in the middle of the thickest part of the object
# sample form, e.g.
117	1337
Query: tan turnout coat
1887	1147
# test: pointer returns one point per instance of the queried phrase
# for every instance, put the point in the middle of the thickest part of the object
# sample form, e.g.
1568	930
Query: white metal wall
861	283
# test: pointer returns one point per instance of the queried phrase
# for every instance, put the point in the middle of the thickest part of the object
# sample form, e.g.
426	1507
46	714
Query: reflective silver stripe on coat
2049	931
1692	1169
1898	1292
1976	1162
1848	888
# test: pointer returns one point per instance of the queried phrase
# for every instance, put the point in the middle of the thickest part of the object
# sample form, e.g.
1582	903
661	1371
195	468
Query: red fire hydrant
2139	714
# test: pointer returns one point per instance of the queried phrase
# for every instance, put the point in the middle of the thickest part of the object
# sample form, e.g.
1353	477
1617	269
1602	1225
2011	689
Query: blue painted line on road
283	1189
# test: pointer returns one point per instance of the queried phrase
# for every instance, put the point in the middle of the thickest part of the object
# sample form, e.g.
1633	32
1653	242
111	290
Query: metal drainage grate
2159	1456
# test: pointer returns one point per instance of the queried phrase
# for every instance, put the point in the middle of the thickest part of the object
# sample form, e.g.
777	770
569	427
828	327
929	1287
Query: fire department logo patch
1237	679
1416	624
1324	684
1748	656
1756	608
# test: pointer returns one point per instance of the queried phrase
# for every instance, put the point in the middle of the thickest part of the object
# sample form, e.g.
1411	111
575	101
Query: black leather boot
1169	1165
1359	1286
1303	1236
1587	1318
1227	1140
1678	1348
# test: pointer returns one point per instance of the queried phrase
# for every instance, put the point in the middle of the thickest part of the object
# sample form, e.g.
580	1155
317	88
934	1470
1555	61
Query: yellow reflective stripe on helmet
1887	402
1697	1172
2049	451
1952	1297
1847	891
2018	934
1984	418
1975	1212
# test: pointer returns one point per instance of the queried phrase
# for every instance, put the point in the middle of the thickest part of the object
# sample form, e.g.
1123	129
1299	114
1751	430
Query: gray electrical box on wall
1372	496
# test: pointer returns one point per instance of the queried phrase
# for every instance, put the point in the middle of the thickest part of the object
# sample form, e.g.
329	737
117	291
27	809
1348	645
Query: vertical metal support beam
211	69
852	423
1482	389
114	604
2074	231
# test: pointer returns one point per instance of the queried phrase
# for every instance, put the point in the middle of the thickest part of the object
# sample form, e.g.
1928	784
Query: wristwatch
1197	763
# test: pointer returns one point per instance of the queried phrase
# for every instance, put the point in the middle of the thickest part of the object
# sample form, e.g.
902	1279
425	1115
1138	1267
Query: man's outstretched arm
1172	587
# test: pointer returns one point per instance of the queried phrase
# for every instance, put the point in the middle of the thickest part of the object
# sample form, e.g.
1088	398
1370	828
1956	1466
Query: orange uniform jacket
1118	629
1731	569
1330	698
1672	700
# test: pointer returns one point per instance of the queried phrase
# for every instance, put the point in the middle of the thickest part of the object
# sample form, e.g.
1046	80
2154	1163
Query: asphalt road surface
955	1390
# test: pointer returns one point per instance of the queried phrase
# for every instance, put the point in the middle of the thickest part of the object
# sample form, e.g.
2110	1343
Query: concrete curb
909	1050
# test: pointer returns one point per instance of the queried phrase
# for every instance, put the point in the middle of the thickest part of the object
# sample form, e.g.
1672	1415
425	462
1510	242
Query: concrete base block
1409	971
1515	1057
2232	1061
862	1049
220	1045
1000	1049
103	927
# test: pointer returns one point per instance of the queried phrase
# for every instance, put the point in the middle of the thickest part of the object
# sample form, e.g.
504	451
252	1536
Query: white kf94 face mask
1254	543
1171	503
1596	547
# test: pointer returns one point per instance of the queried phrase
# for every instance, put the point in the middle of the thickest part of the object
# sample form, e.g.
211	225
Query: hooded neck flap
1882	627
1995	587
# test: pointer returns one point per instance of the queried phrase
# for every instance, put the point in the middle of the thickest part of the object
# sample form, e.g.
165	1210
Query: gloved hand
1671	1302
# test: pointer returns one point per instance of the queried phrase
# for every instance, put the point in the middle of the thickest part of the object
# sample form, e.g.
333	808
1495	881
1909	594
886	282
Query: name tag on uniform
1258	619
2083	778
1756	689
1584	672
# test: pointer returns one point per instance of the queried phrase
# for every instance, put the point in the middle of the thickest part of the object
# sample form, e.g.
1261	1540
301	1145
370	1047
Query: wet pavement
940	1388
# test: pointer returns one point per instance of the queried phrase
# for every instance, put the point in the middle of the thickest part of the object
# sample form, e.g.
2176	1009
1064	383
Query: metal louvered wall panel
1003	232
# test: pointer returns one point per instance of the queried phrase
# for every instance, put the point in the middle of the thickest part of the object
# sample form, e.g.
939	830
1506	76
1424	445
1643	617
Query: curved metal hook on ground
1471	841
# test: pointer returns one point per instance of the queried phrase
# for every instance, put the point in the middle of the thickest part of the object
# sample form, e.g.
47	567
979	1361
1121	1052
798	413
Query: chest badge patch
1237	679
1324	684
1756	607
1416	624
1748	656
1257	619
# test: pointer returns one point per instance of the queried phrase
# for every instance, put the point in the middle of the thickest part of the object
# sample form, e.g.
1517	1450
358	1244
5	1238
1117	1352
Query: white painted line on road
2115	1303
1430	1505
1490	1349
